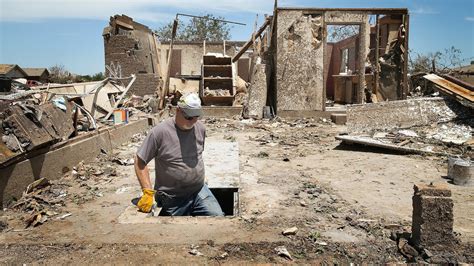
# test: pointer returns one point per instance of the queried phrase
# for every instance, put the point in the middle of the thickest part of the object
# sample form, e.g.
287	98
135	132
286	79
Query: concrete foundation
63	157
432	222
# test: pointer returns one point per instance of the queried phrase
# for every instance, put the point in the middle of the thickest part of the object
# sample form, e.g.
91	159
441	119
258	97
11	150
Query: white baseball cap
190	103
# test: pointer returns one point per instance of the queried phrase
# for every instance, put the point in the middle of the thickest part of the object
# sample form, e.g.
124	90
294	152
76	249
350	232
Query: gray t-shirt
179	166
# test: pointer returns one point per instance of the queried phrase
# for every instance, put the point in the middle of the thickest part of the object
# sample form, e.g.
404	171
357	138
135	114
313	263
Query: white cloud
149	10
469	18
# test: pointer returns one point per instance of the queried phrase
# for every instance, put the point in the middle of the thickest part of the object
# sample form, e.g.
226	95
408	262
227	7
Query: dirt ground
346	201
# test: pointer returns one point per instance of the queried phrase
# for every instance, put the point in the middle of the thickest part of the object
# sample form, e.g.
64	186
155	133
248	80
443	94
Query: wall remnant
257	97
432	221
303	57
299	73
190	60
132	48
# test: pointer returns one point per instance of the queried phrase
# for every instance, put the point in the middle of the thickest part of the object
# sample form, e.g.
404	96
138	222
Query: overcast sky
42	33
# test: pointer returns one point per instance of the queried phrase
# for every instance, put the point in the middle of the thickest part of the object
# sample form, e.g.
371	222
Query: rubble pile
42	200
425	125
40	117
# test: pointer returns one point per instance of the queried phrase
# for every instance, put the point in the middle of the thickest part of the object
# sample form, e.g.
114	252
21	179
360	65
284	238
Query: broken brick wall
300	59
130	48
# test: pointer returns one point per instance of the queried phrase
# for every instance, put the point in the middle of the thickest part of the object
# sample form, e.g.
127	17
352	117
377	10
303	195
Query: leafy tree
197	29
98	76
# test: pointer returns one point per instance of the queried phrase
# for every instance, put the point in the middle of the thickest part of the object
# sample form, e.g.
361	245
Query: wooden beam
250	42
405	57
170	53
377	55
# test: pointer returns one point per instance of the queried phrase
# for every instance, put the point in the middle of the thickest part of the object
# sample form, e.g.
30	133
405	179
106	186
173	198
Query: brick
339	119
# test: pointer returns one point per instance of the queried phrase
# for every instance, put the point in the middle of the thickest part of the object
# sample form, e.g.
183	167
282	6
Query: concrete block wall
432	221
147	84
135	52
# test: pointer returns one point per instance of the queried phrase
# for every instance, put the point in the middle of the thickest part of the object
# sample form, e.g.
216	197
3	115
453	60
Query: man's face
186	122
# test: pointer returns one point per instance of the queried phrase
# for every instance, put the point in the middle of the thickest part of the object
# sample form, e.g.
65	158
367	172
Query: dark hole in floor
228	198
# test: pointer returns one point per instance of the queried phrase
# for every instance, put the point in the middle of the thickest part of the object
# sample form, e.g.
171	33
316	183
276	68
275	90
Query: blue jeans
201	203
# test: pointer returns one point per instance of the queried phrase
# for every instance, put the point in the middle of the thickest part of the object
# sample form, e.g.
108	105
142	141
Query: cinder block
339	119
432	221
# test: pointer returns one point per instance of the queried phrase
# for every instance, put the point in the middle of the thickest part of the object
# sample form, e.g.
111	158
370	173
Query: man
177	144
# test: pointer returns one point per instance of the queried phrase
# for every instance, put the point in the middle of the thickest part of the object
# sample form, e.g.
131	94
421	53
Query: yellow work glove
146	201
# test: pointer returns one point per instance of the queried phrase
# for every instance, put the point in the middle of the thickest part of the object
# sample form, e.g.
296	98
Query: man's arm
143	175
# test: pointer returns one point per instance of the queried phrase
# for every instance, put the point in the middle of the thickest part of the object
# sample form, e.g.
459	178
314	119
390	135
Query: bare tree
59	74
337	33
439	62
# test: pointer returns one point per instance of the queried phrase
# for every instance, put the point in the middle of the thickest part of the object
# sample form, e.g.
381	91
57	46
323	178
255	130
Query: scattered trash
40	183
36	219
62	217
283	252
321	243
290	231
122	190
194	251
125	162
3	225
406	249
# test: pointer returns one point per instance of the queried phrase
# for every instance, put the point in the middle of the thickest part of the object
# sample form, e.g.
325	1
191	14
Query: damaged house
368	65
67	152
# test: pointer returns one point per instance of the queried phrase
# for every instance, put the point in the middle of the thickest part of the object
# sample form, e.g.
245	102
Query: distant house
12	71
39	74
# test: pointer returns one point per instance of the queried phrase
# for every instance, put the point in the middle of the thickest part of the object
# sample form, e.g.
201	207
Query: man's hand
146	201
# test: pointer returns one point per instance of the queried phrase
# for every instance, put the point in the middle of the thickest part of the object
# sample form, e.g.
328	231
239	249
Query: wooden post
254	33
168	71
377	55
224	47
405	57
250	42
204	47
